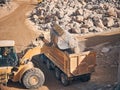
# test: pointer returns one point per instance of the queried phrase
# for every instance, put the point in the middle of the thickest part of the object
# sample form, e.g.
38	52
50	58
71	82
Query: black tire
64	79
52	66
57	73
33	78
35	63
48	63
85	77
42	57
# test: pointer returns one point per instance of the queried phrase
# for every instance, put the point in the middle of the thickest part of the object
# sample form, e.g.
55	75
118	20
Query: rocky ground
78	16
13	26
7	8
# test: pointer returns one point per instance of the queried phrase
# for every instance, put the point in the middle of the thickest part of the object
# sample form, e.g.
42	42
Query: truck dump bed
71	64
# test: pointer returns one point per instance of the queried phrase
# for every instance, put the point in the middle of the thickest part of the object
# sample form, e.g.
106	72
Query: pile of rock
78	16
4	2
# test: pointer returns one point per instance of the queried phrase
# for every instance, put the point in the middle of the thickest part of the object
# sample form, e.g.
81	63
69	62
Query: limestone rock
105	50
110	22
111	12
79	11
89	23
35	17
118	13
95	29
98	22
86	13
79	18
84	30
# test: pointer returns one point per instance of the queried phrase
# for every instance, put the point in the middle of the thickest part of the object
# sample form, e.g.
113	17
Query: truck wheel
33	78
42	57
57	73
64	79
52	65
48	65
85	78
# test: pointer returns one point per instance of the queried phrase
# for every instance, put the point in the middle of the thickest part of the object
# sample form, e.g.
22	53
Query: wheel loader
19	70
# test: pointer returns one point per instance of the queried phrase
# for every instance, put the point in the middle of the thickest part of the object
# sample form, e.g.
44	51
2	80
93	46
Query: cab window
8	56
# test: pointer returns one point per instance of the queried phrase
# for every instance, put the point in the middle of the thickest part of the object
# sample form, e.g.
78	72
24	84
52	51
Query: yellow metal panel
22	69
31	52
73	65
82	63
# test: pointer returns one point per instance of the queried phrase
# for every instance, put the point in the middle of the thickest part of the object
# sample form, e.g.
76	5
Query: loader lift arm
30	53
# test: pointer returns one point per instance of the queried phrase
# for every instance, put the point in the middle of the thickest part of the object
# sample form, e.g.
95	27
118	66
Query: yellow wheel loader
23	70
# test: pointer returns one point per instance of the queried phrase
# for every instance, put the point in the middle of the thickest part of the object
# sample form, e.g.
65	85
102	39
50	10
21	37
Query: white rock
109	85
92	29
118	13
98	22
111	11
82	2
35	17
79	11
89	6
76	27
99	89
34	11
84	30
110	22
105	50
86	13
98	29
95	29
105	6
89	23
79	18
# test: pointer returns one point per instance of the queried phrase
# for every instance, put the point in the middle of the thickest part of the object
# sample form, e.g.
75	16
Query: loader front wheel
33	78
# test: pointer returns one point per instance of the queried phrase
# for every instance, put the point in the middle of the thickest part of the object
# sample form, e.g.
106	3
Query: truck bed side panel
57	57
82	63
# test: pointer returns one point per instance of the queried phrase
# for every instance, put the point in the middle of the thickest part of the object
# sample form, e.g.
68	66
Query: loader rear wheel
33	78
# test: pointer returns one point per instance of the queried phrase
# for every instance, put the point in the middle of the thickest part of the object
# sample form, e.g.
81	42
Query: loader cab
8	56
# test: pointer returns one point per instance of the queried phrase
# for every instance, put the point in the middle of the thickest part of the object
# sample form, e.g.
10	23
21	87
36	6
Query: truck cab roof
7	43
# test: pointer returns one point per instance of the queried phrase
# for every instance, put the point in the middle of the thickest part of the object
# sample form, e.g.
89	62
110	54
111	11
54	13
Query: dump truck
19	70
67	63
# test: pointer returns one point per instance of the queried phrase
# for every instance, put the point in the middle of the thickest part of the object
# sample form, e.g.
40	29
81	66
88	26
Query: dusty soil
8	8
13	27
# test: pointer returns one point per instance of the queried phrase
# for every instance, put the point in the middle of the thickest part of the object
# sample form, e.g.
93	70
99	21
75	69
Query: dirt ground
13	27
8	8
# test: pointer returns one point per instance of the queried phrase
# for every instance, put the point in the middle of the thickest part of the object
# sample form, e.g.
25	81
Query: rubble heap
78	16
4	2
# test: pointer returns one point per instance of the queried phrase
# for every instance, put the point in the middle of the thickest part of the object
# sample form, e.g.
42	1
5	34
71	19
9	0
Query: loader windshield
8	56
